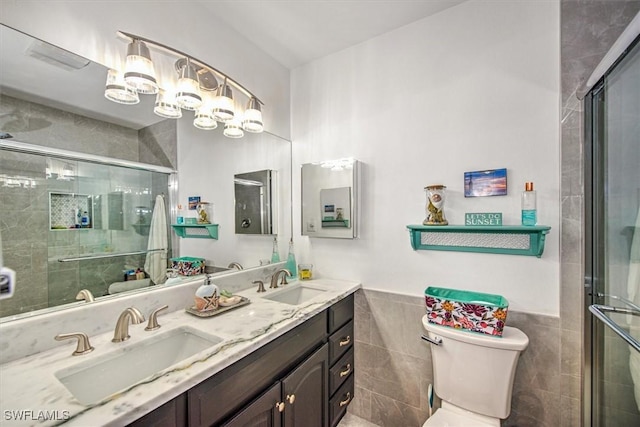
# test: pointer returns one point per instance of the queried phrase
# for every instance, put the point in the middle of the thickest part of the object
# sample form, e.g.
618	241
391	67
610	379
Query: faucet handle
260	285
85	294
153	319
83	346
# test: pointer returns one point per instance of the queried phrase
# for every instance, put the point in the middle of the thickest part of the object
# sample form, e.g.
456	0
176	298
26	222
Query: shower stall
72	221
612	251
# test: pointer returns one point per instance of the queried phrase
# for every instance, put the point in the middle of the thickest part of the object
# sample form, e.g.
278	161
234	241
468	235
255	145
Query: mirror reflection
329	198
106	250
255	197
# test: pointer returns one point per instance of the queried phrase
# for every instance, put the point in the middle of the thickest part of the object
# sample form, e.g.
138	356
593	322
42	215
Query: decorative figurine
435	205
204	216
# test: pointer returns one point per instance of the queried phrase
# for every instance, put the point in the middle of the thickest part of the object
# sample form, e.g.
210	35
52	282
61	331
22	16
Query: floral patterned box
472	311
188	266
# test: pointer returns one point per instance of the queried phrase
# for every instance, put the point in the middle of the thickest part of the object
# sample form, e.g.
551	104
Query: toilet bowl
473	374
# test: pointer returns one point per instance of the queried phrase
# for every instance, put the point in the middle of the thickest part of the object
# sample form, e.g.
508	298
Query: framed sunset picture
491	182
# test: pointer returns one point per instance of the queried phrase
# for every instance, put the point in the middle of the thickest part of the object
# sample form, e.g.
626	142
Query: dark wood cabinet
300	399
265	411
303	378
306	392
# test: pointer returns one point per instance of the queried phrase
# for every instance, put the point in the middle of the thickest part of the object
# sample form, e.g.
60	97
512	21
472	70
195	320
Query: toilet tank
475	371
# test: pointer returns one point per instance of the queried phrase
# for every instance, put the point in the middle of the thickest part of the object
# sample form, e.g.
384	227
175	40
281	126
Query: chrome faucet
276	275
85	294
132	315
235	265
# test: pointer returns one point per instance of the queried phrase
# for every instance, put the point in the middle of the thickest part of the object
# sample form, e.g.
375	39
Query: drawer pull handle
280	406
347	400
346	371
345	341
291	398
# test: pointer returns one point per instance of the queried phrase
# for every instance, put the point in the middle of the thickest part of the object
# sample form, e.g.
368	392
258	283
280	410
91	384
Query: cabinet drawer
340	313
340	342
339	402
339	373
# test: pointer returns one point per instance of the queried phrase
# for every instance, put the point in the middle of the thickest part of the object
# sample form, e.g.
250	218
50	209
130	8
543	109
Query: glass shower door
613	245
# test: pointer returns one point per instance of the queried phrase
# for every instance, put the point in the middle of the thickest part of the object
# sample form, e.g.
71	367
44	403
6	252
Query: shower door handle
599	312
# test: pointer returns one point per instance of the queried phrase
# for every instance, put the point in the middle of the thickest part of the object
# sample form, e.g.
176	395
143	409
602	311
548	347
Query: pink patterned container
471	311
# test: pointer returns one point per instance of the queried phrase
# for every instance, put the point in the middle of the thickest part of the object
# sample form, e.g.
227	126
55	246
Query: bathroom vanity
292	364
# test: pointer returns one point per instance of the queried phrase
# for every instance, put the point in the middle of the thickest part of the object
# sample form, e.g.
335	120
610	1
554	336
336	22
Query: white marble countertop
30	394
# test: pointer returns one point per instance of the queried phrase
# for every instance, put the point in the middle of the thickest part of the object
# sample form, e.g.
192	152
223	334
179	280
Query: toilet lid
446	418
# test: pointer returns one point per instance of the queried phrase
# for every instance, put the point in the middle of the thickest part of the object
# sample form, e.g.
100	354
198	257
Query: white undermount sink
295	294
92	381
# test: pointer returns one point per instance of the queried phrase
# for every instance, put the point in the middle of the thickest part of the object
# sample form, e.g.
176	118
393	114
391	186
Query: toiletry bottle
78	215
180	217
85	221
291	262
275	255
529	211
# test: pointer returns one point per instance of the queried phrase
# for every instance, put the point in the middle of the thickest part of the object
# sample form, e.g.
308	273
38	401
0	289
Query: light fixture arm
167	49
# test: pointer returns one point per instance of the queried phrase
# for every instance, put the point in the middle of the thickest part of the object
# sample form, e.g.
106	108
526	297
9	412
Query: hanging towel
156	263
633	289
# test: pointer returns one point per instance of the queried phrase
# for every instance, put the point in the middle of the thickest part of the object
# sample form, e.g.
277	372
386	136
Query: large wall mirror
113	164
330	194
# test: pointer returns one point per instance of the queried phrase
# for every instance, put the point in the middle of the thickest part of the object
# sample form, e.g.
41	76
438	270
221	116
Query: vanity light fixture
223	109
188	95
253	117
233	128
204	118
118	90
166	105
195	89
138	70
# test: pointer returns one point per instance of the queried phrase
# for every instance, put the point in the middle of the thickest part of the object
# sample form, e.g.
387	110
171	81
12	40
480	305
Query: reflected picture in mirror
329	198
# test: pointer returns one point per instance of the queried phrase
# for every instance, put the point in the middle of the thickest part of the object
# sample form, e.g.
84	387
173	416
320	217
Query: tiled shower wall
24	222
588	29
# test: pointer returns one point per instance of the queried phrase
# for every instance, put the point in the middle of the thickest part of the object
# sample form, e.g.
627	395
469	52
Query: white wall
471	88
88	28
207	163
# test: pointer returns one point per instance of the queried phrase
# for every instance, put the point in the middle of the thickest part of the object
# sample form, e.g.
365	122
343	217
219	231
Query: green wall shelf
508	239
196	231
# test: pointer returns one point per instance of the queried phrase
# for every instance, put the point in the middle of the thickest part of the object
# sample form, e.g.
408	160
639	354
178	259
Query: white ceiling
295	32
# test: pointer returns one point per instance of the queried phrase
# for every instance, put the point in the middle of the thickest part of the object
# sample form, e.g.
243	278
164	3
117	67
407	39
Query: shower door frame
594	241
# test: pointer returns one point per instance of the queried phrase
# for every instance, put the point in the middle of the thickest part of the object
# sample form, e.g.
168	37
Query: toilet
473	375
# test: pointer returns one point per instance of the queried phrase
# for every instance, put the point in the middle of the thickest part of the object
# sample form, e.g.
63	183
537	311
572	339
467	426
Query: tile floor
353	421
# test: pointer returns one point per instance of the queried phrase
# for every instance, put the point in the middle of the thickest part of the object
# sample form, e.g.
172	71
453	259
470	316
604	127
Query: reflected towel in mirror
155	264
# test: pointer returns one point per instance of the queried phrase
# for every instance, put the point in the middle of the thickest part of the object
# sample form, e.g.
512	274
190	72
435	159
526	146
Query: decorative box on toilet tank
468	310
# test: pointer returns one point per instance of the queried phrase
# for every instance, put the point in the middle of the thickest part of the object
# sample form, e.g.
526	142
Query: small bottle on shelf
529	205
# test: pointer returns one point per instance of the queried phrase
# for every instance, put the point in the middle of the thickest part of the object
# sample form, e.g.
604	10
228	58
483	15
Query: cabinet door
171	414
306	392
262	412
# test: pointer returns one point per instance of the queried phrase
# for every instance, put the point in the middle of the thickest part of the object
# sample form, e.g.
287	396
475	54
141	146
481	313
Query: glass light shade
188	93
223	108
204	119
166	105
252	121
117	90
138	71
233	128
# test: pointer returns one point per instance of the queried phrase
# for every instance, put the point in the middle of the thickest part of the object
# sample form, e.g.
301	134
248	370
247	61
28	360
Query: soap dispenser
275	255
207	296
291	262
